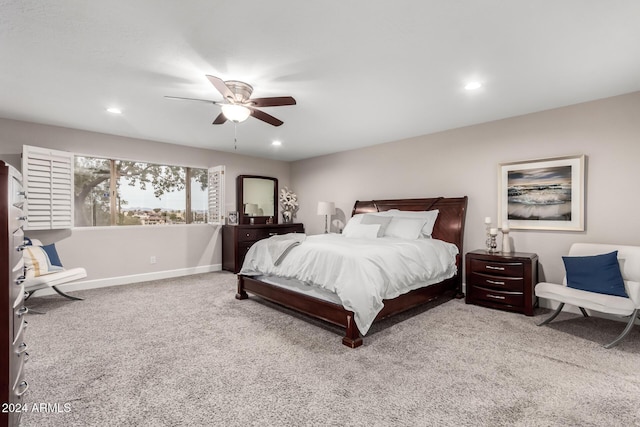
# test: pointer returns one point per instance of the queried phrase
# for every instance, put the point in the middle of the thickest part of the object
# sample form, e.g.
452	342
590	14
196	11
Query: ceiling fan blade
219	84
267	118
272	102
208	101
220	119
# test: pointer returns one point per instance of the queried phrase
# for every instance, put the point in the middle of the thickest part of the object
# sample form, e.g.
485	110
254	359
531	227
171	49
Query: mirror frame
242	218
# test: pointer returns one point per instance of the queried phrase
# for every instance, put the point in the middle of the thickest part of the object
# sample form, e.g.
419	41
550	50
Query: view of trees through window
119	192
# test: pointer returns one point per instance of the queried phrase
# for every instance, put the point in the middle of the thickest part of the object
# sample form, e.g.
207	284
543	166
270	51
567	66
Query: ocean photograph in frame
543	194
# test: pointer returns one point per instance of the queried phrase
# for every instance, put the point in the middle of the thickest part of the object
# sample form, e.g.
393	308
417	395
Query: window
119	192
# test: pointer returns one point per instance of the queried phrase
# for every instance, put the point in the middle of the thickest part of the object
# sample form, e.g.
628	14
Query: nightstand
504	281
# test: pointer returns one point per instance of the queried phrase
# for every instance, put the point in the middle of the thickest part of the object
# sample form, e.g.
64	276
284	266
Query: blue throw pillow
52	254
597	273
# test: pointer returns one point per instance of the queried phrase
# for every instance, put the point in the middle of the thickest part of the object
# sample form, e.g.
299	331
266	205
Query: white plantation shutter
216	195
48	181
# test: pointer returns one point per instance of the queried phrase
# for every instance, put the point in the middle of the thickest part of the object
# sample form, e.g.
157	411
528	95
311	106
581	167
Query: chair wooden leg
624	333
553	316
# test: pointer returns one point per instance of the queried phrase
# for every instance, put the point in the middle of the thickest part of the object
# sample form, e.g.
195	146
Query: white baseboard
134	278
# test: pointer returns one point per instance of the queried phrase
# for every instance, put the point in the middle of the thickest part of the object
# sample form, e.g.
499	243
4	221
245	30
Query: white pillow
429	216
363	231
353	221
405	228
377	219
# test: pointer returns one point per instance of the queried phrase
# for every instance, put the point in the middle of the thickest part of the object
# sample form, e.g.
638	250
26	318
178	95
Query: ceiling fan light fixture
235	113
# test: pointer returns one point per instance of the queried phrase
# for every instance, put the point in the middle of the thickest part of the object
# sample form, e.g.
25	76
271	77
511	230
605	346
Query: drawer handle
247	234
273	234
495	296
22	311
491	267
22	388
20	280
495	282
22	218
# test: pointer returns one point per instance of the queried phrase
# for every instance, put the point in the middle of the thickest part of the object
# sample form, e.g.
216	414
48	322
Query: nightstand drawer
497	282
497	268
497	297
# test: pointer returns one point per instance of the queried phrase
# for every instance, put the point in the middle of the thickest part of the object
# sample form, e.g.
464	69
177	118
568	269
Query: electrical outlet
152	260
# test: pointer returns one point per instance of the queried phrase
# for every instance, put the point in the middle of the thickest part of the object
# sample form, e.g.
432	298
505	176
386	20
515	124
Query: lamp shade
251	209
326	208
235	113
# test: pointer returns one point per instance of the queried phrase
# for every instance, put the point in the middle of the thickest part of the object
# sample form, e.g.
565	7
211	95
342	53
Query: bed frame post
352	337
459	293
242	294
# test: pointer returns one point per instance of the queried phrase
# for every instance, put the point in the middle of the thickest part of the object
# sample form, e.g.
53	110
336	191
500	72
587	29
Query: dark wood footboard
314	307
336	314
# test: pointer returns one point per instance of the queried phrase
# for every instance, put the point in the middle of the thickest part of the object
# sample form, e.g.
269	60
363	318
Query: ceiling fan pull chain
235	136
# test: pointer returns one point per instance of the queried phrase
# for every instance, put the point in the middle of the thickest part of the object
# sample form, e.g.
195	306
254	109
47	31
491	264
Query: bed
448	227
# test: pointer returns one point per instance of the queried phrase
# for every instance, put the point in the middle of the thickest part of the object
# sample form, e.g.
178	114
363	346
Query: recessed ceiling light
473	85
114	110
276	143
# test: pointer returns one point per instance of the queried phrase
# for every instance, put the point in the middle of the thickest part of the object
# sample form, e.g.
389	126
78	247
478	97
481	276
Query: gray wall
457	162
114	255
464	162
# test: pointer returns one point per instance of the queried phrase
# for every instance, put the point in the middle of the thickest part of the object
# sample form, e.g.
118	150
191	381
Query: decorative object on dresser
232	218
12	323
289	203
327	209
507	247
501	280
237	239
493	244
444	224
487	226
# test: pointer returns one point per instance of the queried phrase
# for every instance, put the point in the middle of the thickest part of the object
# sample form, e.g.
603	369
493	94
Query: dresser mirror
257	199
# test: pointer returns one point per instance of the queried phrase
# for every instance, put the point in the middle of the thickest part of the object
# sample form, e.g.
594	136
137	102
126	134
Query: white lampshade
326	208
235	113
251	209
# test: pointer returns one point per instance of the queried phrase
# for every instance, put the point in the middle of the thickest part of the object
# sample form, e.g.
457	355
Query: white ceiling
363	72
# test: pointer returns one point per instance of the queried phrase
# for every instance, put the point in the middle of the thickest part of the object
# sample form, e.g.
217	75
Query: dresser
12	322
237	239
504	281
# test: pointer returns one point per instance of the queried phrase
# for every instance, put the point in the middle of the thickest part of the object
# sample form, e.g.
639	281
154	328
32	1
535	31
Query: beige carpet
184	352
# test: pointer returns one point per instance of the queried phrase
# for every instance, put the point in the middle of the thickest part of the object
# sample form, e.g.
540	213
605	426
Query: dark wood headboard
449	225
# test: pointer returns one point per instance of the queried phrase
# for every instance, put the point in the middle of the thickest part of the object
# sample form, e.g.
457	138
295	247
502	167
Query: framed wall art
543	194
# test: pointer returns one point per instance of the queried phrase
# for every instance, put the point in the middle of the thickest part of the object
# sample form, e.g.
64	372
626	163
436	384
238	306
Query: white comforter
362	272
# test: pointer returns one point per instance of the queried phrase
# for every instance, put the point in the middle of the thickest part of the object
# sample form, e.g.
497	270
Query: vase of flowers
289	204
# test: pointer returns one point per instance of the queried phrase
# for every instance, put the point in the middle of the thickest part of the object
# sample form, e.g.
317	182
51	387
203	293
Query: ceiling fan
238	104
